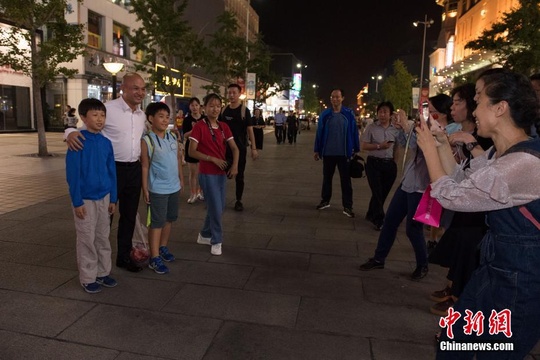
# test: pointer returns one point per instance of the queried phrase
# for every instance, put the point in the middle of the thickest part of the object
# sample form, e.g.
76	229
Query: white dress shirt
124	127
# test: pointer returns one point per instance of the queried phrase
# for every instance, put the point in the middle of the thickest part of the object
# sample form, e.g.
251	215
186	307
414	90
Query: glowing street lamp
427	23
377	78
114	68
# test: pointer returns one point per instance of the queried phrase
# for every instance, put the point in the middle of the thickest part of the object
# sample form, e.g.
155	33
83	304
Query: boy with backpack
162	181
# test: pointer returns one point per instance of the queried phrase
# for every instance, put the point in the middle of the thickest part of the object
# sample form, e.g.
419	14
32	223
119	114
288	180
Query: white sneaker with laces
216	249
200	196
203	240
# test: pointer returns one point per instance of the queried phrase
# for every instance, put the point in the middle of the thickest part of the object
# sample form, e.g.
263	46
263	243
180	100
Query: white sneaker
200	196
216	249
203	240
192	199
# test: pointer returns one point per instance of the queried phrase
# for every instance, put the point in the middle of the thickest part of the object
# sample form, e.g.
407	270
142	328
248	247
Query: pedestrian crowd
474	152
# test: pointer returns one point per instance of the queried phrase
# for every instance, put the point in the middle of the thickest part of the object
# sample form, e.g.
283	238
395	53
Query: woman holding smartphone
381	169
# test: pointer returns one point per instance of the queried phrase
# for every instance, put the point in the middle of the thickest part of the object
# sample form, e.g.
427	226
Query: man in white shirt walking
124	127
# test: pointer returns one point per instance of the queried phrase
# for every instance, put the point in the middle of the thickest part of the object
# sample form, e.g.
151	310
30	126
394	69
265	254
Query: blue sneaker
92	288
165	254
106	281
157	265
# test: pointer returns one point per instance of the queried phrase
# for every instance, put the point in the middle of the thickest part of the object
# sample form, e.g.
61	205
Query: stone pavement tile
144	332
34	211
303	283
5	223
246	341
37	314
346	232
340	265
265	258
365	319
131	356
27	233
237	305
190	251
400	291
250	240
310	245
28	253
15	346
67	261
255	228
204	273
130	291
33	279
403	350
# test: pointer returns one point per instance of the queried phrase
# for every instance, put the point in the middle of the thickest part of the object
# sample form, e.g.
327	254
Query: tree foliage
42	59
166	38
515	39
397	88
225	53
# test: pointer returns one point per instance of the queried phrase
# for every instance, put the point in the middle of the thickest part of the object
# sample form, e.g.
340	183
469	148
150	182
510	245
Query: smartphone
425	111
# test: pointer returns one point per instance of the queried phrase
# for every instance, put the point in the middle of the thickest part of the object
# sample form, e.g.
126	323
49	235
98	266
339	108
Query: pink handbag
429	210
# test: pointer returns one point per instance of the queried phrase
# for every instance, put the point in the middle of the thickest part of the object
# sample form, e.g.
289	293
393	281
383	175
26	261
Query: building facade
106	24
463	21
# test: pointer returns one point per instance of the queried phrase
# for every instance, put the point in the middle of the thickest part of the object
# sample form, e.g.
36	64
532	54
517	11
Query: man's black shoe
371	264
419	273
238	206
129	266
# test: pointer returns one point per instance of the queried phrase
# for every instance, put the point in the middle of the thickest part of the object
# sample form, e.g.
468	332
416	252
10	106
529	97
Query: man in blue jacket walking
336	142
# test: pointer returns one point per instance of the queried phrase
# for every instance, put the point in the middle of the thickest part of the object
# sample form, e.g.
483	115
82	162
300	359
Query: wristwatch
471	145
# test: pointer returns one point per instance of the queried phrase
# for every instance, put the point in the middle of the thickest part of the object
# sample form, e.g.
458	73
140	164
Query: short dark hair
154	107
235	86
340	90
535	77
194	99
211	96
387	104
467	92
443	104
90	104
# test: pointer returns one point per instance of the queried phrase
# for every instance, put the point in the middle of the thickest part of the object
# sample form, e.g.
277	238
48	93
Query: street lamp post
427	23
377	78
114	68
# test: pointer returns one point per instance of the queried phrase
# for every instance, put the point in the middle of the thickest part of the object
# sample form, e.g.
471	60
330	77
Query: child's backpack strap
150	144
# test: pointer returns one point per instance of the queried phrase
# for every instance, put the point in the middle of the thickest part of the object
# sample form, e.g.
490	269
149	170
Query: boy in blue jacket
91	176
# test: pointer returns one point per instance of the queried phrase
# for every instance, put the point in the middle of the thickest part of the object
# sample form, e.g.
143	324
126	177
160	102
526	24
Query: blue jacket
91	172
352	145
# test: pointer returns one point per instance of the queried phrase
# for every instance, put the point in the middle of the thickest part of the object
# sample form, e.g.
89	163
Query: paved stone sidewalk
286	286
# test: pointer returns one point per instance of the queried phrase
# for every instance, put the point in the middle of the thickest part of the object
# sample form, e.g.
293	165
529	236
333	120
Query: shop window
14	110
95	26
119	40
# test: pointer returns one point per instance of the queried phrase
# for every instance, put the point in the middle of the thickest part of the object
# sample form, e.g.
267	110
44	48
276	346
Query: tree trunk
38	105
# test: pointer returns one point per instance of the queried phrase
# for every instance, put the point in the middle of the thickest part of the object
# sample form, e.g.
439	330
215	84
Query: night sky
345	42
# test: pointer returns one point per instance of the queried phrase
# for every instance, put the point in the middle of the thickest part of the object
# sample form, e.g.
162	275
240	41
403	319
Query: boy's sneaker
216	249
157	265
165	254
203	240
348	212
323	205
92	288
106	281
371	264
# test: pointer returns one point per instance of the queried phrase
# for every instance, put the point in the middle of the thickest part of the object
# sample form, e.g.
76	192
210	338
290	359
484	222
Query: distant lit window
119	40
449	51
95	27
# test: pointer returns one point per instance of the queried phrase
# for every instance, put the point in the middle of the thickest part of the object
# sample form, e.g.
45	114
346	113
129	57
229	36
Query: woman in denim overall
501	302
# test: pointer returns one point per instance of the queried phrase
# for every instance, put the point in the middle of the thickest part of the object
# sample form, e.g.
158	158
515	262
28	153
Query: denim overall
508	277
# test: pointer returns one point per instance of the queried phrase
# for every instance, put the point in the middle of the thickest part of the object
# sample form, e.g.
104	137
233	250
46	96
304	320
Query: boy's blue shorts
163	208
